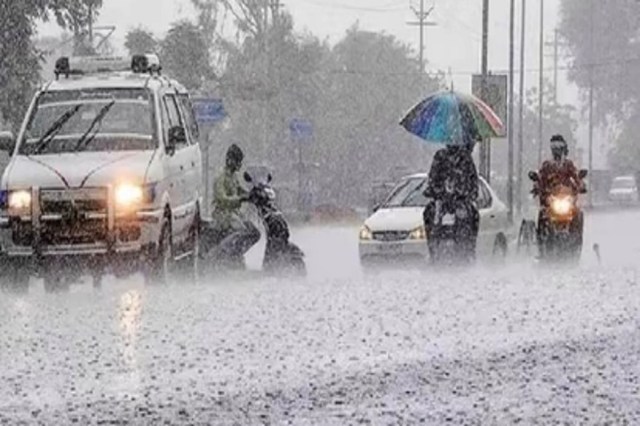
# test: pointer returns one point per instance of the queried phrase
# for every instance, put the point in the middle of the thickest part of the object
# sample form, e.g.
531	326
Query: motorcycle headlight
562	206
271	194
128	195
418	234
366	234
19	200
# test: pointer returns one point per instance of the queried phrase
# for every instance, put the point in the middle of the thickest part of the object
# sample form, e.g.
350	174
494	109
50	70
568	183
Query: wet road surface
489	345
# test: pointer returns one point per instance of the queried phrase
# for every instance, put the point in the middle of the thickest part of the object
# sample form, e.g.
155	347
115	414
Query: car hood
395	219
77	170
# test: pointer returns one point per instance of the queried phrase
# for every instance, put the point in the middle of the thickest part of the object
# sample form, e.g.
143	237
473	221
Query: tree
186	55
603	43
139	41
20	61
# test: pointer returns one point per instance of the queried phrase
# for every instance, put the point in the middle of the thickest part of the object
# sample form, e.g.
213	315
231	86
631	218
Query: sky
453	45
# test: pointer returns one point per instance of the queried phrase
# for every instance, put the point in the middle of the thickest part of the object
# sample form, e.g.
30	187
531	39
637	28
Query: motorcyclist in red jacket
558	171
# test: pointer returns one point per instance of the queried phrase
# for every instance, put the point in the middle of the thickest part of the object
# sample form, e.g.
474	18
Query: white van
105	176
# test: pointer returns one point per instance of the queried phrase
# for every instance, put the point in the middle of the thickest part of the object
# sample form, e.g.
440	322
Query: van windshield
90	120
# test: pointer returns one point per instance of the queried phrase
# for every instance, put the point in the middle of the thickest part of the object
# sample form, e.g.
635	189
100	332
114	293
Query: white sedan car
396	229
624	189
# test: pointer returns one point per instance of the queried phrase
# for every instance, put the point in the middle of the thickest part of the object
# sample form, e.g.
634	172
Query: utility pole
485	166
541	85
591	64
91	24
520	172
422	22
555	45
512	30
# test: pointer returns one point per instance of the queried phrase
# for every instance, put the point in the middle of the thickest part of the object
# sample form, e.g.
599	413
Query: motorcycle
560	221
280	254
452	228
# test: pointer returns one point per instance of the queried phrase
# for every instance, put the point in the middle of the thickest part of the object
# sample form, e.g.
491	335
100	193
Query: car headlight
19	200
128	195
562	206
418	234
366	234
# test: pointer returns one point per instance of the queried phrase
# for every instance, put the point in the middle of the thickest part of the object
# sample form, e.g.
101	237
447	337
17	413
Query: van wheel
500	247
15	275
190	267
160	265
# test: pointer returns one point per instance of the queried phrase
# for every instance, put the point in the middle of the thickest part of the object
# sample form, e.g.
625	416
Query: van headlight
19	201
129	196
418	234
366	234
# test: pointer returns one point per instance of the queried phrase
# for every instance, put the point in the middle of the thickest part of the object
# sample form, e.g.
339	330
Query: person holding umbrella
458	122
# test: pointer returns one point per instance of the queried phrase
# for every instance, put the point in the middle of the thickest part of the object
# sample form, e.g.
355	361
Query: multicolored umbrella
452	118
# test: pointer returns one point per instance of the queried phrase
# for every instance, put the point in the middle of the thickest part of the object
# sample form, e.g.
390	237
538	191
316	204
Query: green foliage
140	41
19	59
185	55
603	43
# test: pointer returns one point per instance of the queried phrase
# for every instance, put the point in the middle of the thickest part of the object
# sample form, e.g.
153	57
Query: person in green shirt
237	234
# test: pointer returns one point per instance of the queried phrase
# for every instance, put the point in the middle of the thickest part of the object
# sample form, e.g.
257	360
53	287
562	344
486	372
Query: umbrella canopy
453	118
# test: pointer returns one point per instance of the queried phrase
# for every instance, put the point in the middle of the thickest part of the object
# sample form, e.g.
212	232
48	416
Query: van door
178	169
193	178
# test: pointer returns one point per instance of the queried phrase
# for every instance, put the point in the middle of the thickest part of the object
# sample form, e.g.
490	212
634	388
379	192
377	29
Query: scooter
560	222
281	255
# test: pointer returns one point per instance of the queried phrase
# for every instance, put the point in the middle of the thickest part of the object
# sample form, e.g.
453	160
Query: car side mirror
7	142
534	176
376	207
177	136
247	177
583	173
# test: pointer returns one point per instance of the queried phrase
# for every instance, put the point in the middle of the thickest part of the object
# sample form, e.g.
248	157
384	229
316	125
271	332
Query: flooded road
487	345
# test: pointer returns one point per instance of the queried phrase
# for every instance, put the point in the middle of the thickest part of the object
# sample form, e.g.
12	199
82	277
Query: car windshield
90	120
409	193
624	183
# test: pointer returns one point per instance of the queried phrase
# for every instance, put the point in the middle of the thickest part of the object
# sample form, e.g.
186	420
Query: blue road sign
301	129
209	111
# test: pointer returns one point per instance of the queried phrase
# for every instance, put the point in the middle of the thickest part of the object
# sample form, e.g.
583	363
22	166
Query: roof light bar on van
82	65
90	65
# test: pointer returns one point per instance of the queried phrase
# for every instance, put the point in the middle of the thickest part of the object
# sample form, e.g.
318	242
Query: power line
381	9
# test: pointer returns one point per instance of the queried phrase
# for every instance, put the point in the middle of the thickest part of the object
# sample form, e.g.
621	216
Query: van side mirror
534	176
177	136
247	177
583	173
7	142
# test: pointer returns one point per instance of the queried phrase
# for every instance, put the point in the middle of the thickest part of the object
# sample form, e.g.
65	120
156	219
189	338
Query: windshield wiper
88	136
55	128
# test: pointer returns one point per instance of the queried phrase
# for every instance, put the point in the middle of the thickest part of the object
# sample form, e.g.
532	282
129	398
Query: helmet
559	147
235	156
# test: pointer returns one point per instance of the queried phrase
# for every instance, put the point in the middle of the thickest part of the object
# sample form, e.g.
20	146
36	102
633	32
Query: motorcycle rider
560	170
236	234
454	166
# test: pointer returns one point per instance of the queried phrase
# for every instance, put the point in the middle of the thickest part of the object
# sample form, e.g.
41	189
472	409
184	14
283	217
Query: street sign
497	93
301	129
209	111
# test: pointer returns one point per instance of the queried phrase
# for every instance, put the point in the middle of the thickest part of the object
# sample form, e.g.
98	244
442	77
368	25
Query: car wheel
54	282
16	275
500	247
160	264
